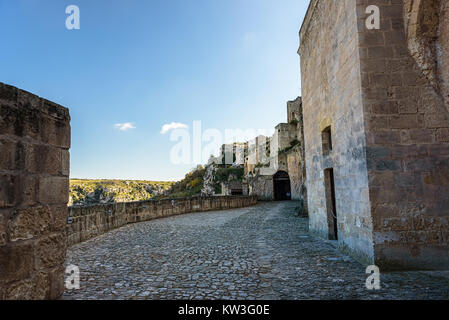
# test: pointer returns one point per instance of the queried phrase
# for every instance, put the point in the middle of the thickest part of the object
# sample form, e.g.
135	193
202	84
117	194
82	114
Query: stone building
376	129
34	191
274	168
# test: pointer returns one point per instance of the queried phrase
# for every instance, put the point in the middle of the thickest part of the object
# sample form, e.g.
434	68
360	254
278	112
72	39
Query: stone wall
296	156
427	32
390	126
84	223
295	173
407	125
261	186
331	96
34	182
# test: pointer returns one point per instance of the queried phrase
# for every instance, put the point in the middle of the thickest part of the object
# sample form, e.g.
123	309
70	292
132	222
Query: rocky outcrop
90	192
208	181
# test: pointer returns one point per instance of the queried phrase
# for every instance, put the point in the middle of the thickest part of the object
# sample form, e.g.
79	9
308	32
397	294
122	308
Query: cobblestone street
261	252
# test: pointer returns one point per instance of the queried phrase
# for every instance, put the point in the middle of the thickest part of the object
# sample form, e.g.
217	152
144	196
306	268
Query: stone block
380	52
438	150
17	189
16	261
377	123
407	179
8	94
27	100
8	185
377	152
41	286
55	110
403	121
386	137
408	106
20	290
53	190
22	122
422	135
442	135
381	179
374	66
436	120
50	251
65	163
384	195
12	155
384	165
59	214
395	37
371	39
44	159
56	278
441	177
409	152
56	132
3	229
28	223
387	107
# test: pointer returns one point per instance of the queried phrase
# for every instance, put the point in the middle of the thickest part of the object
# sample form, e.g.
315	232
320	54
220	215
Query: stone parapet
84	223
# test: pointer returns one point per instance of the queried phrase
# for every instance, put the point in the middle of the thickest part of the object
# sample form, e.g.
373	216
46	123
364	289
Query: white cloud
124	126
171	126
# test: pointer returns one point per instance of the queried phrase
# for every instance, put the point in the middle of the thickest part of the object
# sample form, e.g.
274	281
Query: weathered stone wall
295	173
443	50
84	223
286	153
407	126
262	187
34	182
296	156
294	110
381	93
331	96
427	34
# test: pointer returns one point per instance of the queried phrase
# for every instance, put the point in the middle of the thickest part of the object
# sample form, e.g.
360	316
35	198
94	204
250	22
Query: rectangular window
326	137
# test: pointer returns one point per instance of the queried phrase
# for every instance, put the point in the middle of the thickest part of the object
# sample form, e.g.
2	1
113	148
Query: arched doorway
281	186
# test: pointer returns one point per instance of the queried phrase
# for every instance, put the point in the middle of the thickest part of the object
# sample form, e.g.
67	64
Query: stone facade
34	182
284	151
381	109
84	223
295	157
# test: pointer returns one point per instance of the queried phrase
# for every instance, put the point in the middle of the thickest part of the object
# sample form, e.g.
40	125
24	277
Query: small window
326	137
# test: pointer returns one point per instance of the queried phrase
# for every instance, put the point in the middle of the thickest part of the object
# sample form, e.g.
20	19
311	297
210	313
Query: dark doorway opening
236	192
331	204
281	186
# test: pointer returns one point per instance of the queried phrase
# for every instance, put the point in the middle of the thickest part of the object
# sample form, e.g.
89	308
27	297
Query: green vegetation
293	144
86	192
223	174
217	188
262	165
190	186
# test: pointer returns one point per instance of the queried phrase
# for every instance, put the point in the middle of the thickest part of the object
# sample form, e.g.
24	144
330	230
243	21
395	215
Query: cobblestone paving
261	252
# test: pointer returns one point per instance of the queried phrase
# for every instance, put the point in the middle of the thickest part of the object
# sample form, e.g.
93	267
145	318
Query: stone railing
86	222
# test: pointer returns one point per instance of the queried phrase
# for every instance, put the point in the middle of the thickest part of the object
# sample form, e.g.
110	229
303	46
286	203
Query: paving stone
268	249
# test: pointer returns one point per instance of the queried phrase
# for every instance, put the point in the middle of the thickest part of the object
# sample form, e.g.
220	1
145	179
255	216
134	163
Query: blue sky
230	64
